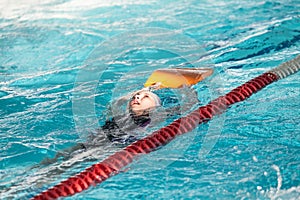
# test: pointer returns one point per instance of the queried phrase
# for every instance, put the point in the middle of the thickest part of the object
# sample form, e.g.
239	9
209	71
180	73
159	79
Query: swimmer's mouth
135	102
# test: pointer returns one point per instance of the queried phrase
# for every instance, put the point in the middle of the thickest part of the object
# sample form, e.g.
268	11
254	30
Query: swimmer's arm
64	155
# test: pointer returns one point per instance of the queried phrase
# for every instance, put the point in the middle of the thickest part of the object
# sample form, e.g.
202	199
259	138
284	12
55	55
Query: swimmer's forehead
141	92
144	92
149	94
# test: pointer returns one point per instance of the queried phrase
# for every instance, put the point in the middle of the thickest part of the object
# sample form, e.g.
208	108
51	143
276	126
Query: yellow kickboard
177	77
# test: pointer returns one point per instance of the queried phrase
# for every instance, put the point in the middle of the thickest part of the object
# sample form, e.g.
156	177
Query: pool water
50	55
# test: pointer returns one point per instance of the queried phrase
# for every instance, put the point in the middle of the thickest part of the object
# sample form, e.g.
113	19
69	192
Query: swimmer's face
141	101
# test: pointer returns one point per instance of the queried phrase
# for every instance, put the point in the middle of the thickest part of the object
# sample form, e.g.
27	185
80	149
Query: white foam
277	193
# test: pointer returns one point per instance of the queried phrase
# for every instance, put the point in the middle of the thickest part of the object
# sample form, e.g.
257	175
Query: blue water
50	55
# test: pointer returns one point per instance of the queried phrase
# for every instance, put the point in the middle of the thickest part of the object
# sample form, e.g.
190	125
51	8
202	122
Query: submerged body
118	130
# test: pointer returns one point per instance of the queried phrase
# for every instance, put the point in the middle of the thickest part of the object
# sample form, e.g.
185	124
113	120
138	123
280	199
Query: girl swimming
119	130
143	114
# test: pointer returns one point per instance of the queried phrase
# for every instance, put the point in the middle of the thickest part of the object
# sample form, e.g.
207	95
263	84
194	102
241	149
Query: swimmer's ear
177	77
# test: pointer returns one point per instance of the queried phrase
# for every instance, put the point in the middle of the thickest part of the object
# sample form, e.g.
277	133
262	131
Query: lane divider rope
101	171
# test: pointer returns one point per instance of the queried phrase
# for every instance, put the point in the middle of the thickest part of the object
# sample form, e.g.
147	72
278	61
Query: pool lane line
101	171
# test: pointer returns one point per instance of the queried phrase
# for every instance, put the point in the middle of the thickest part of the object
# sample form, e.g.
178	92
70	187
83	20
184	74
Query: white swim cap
156	98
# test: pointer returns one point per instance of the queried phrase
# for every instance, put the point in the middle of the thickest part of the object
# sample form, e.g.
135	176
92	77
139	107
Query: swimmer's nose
136	99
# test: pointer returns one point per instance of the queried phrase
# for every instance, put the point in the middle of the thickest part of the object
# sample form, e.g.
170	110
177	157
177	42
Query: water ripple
44	44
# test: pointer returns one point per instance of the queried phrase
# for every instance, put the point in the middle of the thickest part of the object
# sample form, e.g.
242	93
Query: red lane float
99	172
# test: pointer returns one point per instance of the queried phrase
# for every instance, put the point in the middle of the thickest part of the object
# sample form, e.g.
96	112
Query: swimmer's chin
137	112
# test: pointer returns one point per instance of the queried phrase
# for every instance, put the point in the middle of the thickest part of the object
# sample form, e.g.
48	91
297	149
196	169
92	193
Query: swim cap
156	98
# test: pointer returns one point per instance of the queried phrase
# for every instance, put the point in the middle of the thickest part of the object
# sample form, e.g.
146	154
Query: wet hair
119	128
